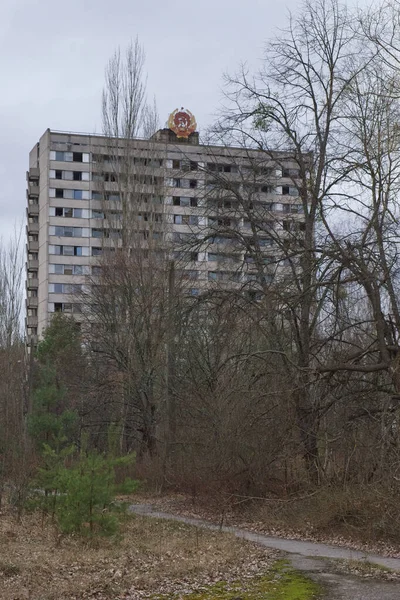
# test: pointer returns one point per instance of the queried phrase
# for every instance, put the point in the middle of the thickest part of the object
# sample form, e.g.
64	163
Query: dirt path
313	558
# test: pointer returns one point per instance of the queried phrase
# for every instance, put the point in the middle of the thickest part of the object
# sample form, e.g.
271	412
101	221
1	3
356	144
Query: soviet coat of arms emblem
182	122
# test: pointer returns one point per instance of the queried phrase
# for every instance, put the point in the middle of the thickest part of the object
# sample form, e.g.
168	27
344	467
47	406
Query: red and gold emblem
182	122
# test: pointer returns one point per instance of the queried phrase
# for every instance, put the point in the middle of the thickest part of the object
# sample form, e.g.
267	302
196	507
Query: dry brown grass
362	517
37	564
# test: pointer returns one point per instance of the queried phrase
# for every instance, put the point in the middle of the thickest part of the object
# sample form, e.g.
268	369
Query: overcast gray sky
53	55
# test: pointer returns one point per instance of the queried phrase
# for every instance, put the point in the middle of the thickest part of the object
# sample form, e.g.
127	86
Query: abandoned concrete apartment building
193	190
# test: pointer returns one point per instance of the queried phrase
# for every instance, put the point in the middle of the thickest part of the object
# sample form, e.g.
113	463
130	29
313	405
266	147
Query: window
193	183
77	212
267	189
58	174
97	214
190	274
61	156
59	193
176	183
212	256
194	292
222	168
67	231
176	164
265	242
194	256
57	288
77	176
96	251
286	172
77	194
212	276
193	165
67	250
58	269
184	201
110	177
289	190
186	219
97	196
96	271
97	233
59	212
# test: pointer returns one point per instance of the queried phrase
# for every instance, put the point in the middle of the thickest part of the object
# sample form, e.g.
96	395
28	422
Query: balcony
33	174
33	245
31	321
32	283
32	209
32	340
33	227
33	190
31	302
33	264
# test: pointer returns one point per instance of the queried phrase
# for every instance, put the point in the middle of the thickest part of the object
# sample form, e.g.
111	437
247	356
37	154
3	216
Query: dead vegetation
363	517
150	557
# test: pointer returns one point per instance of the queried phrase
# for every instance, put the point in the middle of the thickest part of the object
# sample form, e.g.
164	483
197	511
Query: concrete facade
68	183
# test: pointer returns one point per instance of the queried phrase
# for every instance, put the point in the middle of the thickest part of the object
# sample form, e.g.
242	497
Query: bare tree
292	113
128	297
11	359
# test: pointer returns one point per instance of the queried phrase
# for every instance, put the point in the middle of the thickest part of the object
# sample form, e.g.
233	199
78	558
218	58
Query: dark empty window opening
77	176
59	193
77	156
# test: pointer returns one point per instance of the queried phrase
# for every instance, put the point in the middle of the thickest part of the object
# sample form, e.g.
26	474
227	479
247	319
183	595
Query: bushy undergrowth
363	512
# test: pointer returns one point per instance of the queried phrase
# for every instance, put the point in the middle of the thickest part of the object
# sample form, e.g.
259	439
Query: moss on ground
280	583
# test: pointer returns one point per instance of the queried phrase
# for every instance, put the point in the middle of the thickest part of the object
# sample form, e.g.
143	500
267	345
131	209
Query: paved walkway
310	557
